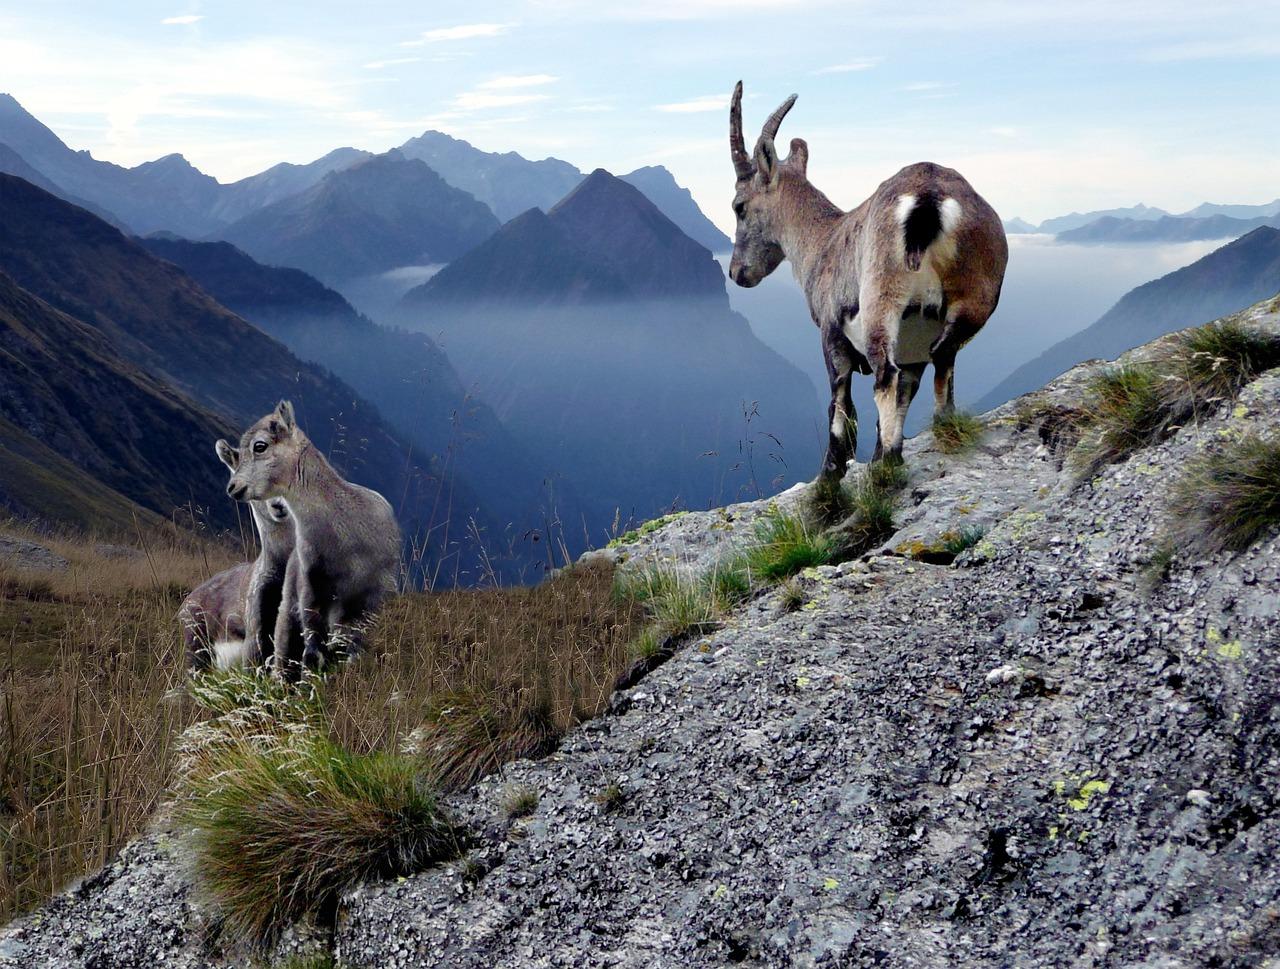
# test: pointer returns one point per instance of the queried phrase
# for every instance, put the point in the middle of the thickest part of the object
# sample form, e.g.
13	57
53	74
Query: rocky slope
1028	757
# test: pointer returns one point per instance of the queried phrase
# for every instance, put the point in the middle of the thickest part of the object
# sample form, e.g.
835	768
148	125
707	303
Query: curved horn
770	129
737	147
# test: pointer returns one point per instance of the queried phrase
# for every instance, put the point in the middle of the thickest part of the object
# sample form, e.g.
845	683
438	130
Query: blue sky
1046	107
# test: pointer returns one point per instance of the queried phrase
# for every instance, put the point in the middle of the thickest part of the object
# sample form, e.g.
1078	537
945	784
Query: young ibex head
276	509
266	463
757	250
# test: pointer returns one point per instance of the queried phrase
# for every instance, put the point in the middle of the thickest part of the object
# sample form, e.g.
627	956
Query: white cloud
518	80
379	65
482	100
860	65
461	32
710	102
188	18
1236	48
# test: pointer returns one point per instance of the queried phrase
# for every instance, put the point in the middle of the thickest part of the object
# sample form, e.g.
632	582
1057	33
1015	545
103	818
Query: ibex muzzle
905	279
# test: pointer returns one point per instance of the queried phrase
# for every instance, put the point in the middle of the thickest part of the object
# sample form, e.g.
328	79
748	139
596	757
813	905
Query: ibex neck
314	482
809	218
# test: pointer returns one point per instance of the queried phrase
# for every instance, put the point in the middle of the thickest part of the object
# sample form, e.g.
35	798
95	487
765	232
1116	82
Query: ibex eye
259	447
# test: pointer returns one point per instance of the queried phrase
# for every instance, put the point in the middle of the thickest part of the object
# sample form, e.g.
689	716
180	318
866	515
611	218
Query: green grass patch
956	432
521	801
1127	408
786	544
677	604
1230	498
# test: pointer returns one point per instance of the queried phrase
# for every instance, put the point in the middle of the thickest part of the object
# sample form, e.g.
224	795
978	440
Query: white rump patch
950	212
903	209
230	654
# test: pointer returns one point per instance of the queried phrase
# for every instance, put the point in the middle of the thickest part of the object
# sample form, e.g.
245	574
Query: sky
1046	107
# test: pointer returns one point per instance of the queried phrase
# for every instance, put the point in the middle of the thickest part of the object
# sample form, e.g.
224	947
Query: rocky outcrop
1027	757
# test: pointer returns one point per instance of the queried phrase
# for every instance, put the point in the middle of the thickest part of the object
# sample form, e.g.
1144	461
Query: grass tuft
678	604
791	595
1127	409
1228	499
283	819
786	544
521	801
1217	360
956	432
610	796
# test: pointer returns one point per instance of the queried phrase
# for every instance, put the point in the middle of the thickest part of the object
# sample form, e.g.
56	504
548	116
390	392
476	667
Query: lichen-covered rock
1030	757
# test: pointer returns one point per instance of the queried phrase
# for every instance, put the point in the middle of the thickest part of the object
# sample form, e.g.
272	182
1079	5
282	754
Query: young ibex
228	620
905	279
348	543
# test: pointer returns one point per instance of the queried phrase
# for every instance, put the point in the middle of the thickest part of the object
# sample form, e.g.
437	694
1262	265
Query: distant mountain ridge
1237	275
380	213
1165	229
170	194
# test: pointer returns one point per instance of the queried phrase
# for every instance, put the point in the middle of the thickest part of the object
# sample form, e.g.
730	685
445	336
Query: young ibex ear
284	411
799	157
227	454
766	163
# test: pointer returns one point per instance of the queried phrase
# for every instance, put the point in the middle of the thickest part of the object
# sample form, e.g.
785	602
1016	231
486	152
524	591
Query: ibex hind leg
961	326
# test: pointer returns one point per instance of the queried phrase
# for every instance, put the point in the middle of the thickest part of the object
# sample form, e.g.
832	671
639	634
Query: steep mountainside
1240	273
1031	757
164	194
677	204
65	385
405	375
1165	229
383	212
507	183
602	335
158	319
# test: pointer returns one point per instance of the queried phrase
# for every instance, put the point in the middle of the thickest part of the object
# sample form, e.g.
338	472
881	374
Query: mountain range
1238	274
1143	223
382	212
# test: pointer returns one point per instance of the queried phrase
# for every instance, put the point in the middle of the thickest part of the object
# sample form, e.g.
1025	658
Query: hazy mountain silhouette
406	375
164	194
156	317
1075	220
603	337
383	212
507	183
1165	229
1227	279
238	199
677	204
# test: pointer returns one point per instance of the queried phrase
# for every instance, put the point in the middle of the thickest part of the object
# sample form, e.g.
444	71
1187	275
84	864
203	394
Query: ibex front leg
842	418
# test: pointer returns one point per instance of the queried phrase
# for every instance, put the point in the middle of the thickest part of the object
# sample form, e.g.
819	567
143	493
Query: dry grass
1229	498
956	432
93	692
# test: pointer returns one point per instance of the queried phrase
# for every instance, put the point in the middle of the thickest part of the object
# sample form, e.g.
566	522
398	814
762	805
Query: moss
648	528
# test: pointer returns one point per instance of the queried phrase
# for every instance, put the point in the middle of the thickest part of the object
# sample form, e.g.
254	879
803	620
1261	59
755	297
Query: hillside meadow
93	688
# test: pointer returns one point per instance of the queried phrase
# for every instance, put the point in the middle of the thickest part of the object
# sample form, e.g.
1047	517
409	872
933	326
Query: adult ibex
348	543
905	279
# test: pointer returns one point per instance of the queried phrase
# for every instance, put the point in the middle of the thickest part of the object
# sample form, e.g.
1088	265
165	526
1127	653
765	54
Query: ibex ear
284	411
799	157
766	163
227	454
